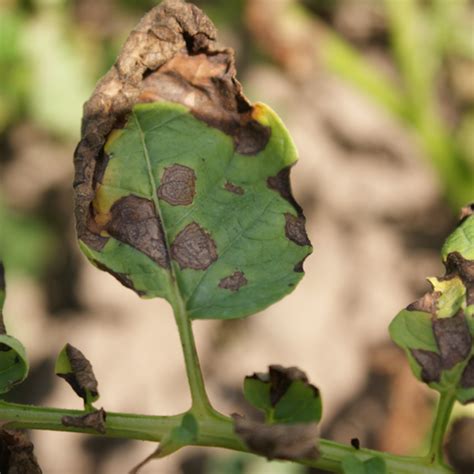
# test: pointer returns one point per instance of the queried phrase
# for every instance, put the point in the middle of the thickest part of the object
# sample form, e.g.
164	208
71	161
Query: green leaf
234	240
462	239
13	362
352	465
182	186
437	331
72	366
284	395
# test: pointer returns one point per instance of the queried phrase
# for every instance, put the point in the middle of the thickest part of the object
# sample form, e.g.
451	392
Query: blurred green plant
422	38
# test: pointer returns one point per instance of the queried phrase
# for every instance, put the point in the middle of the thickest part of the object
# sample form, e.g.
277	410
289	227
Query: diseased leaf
352	465
182	186
437	331
72	366
17	455
279	441
284	395
13	362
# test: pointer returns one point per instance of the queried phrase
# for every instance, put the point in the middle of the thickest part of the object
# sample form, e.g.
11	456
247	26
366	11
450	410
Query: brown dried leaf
94	420
279	441
17	455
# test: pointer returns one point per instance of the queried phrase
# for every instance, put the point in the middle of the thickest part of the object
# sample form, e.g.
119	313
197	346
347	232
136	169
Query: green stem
201	405
213	432
443	413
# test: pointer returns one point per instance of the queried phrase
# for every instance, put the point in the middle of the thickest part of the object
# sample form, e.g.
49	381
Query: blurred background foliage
413	59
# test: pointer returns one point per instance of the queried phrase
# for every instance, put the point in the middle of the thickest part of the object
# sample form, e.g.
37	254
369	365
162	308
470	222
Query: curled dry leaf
94	420
17	456
73	367
437	330
181	185
279	441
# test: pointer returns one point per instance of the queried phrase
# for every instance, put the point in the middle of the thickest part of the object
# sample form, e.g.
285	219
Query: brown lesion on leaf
426	304
233	282
94	420
294	225
178	185
453	338
295	229
194	248
16	453
204	81
467	378
233	188
134	221
279	441
430	363
299	267
170	55
82	378
282	185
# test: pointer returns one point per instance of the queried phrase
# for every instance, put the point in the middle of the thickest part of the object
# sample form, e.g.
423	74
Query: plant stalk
442	416
213	432
201	406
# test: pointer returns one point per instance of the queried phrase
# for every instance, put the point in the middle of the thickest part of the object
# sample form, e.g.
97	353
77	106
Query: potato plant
182	191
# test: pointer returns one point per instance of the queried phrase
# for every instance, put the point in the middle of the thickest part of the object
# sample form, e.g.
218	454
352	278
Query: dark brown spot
92	238
298	268
94	420
234	188
99	171
121	277
82	378
135	222
430	363
453	338
194	248
467	379
282	185
177	185
295	229
355	443
233	282
278	441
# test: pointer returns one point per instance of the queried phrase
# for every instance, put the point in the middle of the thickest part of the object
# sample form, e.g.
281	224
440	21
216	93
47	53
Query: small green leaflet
13	362
284	395
437	331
